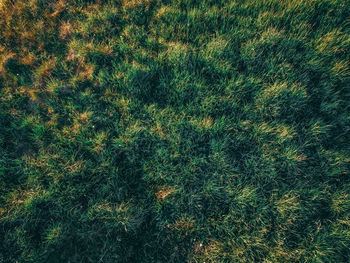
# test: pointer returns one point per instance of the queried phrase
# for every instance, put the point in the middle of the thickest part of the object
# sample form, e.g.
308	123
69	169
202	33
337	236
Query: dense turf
174	131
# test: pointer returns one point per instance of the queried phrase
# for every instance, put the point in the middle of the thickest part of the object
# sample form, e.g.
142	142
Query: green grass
174	131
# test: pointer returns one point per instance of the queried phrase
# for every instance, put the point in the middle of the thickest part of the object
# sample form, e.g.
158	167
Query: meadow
174	131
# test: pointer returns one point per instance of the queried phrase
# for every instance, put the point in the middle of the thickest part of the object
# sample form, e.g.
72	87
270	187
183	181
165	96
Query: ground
174	131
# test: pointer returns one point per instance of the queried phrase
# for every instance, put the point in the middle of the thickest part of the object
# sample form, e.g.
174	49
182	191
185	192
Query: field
160	131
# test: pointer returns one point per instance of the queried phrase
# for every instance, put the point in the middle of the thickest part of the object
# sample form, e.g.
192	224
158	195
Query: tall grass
174	131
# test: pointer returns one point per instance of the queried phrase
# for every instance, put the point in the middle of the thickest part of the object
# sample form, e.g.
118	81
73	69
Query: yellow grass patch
161	12
84	117
328	41
85	71
340	202
163	192
288	204
25	197
184	224
204	123
100	141
59	7
33	94
281	131
128	4
123	104
28	59
45	69
341	69
157	129
66	30
74	167
53	119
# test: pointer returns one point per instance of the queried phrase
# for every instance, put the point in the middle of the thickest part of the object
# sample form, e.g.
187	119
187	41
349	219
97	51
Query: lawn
160	131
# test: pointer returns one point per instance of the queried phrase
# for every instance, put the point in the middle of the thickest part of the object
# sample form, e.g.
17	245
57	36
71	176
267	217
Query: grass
174	131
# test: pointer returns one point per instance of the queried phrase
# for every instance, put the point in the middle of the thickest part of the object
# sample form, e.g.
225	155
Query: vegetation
174	131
